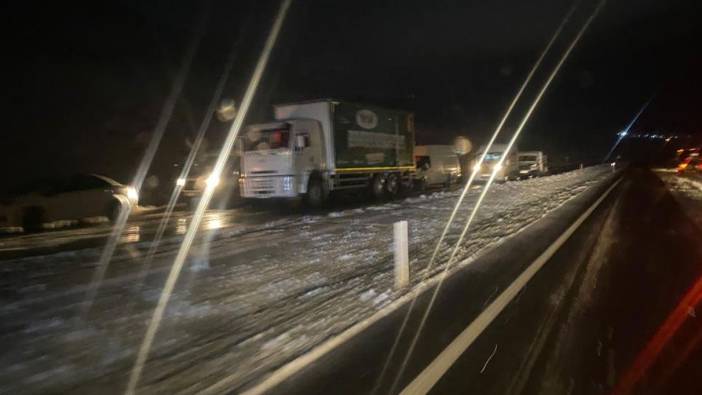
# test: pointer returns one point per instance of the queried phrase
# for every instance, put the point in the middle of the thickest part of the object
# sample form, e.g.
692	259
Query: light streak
626	130
487	187
666	331
187	166
205	200
144	165
471	178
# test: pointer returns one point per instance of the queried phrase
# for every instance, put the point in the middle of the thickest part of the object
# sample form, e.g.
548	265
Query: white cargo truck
437	165
314	148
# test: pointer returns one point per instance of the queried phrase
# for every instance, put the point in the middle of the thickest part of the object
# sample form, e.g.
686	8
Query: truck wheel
392	185
317	194
378	186
33	219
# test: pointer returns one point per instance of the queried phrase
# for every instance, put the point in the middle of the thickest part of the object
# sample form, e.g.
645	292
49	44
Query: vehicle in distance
226	192
509	169
690	165
532	164
437	165
314	148
79	197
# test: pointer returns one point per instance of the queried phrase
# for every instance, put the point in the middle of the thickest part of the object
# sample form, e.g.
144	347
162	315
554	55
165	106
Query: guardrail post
401	247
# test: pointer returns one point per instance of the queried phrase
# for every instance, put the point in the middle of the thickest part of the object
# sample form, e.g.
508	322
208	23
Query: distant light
613	164
180	182
668	139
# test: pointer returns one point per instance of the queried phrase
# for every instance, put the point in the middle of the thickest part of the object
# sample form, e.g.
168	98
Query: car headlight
132	194
180	182
476	167
498	166
212	181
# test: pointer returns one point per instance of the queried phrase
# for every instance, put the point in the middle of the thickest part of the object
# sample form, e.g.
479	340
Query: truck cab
278	158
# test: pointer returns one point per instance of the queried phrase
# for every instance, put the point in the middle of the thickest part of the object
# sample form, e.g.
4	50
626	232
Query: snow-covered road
687	190
254	294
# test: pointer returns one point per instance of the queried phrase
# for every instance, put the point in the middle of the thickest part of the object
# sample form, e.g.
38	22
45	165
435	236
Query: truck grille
261	186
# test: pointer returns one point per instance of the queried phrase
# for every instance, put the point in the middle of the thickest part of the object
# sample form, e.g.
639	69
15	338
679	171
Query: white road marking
441	364
494	351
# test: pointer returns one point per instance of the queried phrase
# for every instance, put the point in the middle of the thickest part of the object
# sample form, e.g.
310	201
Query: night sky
85	84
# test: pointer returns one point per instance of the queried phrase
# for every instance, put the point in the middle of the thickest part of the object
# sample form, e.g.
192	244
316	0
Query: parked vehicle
437	165
509	169
532	164
318	147
79	197
226	191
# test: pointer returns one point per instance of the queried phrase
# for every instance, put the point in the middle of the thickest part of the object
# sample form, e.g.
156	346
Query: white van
437	165
532	164
509	169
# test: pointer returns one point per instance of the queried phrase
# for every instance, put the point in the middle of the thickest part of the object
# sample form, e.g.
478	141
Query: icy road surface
252	296
687	190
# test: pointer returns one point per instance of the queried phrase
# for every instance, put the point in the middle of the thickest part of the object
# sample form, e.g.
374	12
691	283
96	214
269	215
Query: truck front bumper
269	187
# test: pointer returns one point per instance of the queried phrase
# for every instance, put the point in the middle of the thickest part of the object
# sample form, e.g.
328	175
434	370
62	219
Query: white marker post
401	254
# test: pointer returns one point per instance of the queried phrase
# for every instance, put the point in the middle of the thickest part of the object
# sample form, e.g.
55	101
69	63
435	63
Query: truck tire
33	219
317	194
392	185
378	186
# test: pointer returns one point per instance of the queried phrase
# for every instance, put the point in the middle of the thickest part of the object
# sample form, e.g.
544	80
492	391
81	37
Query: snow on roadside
257	298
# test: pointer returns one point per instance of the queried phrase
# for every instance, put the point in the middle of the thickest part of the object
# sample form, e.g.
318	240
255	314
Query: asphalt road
589	322
614	311
254	295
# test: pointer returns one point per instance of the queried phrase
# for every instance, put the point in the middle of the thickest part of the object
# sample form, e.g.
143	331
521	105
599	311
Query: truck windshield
257	140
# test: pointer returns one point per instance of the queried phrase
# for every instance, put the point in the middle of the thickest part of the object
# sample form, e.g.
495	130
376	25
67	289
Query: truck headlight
288	183
132	194
180	182
498	166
